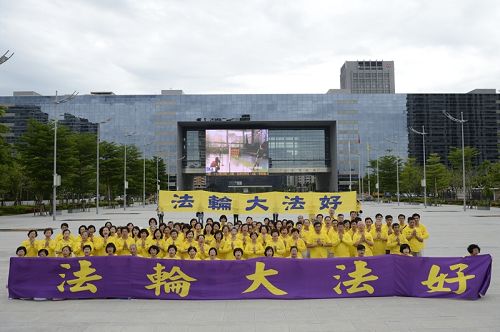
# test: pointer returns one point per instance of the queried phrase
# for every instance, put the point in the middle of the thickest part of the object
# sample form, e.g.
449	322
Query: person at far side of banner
102	241
269	251
153	224
47	243
209	232
395	240
318	242
360	250
143	243
43	253
353	229
110	249
153	251
379	239
253	248
159	242
264	237
414	237
364	238
369	226
201	247
212	254
218	242
402	221
21	251
31	244
188	242
343	248
238	254
134	251
422	228
193	254
473	250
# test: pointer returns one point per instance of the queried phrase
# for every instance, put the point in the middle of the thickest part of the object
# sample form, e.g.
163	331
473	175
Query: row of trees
26	168
442	181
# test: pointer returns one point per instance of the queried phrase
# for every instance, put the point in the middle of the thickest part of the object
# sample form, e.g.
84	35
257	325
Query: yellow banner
259	203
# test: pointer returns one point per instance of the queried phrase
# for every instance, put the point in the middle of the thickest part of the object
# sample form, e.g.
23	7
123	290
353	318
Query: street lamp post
144	174
397	167
378	182
56	180
423	133
98	195
461	121
349	161
125	183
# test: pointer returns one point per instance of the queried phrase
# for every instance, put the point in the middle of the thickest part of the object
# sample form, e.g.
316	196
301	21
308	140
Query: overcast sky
267	46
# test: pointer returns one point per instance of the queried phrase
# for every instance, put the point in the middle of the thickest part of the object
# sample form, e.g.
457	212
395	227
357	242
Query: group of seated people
325	236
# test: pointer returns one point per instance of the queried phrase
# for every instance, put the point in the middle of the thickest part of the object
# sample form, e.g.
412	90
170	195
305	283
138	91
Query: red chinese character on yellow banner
174	281
436	280
260	278
83	278
359	279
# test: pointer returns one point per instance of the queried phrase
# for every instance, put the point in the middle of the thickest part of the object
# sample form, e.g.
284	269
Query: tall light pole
125	183
461	121
424	184
144	174
98	195
397	167
5	57
378	182
368	162
157	183
56	179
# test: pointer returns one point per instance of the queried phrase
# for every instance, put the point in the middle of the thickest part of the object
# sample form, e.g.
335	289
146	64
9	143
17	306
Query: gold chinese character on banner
359	279
174	281
260	278
83	278
436	281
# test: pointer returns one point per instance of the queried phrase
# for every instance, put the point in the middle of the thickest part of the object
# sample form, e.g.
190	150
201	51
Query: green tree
84	180
410	177
438	176
455	160
387	173
36	157
111	169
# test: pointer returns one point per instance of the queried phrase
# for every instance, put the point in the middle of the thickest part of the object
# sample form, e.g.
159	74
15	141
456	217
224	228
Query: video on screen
237	151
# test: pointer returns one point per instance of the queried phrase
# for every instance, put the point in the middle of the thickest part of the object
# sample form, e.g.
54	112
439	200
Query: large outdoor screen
237	152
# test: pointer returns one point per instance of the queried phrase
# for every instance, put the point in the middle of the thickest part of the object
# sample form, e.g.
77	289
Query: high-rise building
368	76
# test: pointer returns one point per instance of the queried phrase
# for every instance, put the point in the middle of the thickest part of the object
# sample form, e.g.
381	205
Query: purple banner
270	278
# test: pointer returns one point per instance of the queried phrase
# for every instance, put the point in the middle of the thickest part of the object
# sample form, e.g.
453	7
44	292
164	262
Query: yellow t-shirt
368	237
415	245
31	248
278	246
392	242
343	248
379	244
253	250
318	251
50	246
300	244
229	247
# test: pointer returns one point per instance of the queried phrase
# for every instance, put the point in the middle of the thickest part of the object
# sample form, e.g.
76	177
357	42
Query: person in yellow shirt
361	251
294	253
47	243
402	221
212	254
369	225
232	243
193	253
188	242
43	253
83	240
343	248
264	237
65	241
414	237
31	244
387	227
143	243
174	239
218	241
364	238
318	242
103	241
172	252
110	249
269	252
87	250
306	230
395	240
244	235
124	243
201	247
277	244
254	248
153	251
208	232
296	241
379	239
159	242
134	251
421	228
59	236
66	252
238	254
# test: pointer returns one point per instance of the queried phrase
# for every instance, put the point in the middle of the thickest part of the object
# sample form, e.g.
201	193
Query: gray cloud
244	46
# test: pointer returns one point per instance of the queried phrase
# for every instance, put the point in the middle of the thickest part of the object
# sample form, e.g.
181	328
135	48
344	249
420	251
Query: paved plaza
451	230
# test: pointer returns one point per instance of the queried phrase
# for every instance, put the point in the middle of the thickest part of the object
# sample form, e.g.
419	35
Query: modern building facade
481	109
368	77
318	139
